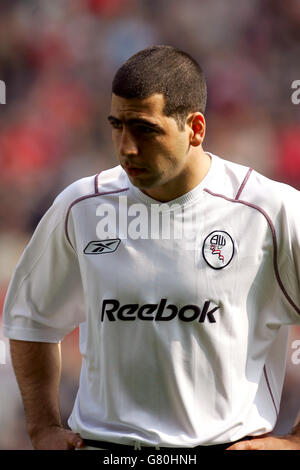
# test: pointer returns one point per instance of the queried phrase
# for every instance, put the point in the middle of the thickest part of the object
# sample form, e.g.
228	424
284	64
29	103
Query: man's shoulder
105	181
270	194
245	184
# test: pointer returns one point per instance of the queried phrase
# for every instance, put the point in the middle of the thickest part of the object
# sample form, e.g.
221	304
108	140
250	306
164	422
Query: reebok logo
112	310
103	246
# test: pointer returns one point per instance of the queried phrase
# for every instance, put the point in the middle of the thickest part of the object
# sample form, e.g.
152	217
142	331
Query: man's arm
38	367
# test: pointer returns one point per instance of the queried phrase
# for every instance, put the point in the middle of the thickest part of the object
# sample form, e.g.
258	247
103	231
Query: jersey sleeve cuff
40	335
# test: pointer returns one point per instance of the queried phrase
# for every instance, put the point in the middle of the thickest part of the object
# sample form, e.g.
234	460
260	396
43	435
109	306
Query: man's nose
128	145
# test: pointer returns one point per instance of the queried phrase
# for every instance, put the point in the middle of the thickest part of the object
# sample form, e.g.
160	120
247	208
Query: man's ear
197	124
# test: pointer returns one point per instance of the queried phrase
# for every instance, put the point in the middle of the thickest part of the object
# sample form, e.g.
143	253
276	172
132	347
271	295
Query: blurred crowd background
58	59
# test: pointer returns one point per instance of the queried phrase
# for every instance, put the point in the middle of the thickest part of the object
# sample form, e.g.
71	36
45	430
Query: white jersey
183	335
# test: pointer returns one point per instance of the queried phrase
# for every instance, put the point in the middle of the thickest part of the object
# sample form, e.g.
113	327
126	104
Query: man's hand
268	442
56	438
37	367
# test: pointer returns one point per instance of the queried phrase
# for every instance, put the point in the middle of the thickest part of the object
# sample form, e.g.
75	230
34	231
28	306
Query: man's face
149	145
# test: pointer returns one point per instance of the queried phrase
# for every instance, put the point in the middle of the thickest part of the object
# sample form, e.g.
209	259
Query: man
188	267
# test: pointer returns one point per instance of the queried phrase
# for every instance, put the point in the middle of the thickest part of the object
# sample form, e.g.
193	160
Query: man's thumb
76	440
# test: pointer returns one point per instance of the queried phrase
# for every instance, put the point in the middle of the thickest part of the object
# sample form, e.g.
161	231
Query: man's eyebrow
136	121
113	118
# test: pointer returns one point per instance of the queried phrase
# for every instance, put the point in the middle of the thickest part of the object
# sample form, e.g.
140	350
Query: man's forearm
37	367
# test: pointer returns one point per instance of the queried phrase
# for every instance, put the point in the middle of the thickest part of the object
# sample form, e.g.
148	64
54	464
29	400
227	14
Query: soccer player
188	268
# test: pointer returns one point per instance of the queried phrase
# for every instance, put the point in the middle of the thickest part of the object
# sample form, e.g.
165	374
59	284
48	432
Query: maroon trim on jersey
270	390
272	228
82	198
243	183
96	183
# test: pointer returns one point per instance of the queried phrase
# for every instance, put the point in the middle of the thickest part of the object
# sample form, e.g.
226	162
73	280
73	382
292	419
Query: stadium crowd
57	60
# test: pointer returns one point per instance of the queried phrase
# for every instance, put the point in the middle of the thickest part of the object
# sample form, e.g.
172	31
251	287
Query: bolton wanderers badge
218	249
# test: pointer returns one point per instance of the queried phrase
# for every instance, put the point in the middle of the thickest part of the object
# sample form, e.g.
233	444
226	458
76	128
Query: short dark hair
166	70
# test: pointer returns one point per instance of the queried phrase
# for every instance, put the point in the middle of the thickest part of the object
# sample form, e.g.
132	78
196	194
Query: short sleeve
45	301
287	228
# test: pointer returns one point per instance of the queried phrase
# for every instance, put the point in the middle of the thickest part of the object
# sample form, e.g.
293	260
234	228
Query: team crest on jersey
218	249
102	246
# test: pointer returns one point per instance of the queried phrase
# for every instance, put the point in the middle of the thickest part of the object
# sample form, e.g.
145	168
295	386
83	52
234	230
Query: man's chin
141	182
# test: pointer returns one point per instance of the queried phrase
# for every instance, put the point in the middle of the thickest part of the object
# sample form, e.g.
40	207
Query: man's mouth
134	170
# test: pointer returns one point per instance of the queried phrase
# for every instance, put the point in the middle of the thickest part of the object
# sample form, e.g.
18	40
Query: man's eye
145	129
116	125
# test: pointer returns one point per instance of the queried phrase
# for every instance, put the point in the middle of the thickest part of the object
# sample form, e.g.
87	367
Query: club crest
218	249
